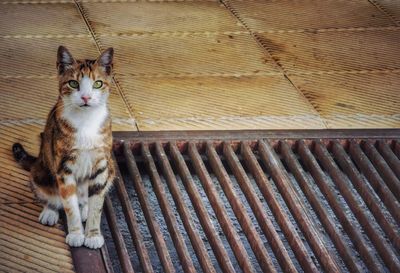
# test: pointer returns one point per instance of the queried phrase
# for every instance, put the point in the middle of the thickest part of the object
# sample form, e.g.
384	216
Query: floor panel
288	15
218	103
335	50
389	7
37	57
41	19
30	246
364	100
191	54
141	17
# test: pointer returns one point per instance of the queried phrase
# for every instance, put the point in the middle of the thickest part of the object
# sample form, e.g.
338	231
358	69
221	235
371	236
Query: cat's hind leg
48	196
49	216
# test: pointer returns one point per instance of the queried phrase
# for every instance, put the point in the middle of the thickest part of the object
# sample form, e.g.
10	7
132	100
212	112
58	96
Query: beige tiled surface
318	52
36	57
28	246
43	19
194	64
144	17
228	102
196	55
278	15
374	100
390	7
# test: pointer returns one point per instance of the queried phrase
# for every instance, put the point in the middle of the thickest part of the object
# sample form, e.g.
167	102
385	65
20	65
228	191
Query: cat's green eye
73	84
97	84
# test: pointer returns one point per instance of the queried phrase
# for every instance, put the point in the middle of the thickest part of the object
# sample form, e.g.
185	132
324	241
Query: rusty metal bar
154	228
106	260
381	246
375	180
368	196
197	242
209	230
239	210
286	226
117	237
169	216
397	148
389	156
294	203
257	207
222	216
354	234
323	215
382	167
132	223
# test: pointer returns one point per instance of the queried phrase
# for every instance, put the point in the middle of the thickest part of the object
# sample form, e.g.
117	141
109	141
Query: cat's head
84	84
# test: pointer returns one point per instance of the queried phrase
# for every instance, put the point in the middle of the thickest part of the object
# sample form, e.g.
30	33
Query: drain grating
255	201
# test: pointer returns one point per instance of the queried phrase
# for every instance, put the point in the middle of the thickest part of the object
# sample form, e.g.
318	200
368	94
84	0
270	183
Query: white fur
84	209
48	217
75	239
83	200
73	205
85	87
87	122
95	241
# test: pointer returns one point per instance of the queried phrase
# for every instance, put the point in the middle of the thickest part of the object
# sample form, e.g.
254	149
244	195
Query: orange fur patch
67	191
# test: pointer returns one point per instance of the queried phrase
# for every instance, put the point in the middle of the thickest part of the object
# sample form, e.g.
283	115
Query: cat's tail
22	157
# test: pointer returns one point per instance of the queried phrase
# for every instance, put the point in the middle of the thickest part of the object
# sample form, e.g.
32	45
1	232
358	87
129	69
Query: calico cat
74	169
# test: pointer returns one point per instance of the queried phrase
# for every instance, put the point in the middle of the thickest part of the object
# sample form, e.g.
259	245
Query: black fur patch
63	165
99	171
96	189
44	178
18	152
22	157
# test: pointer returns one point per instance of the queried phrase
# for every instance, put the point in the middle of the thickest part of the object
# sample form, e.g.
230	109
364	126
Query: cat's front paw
48	217
95	241
75	239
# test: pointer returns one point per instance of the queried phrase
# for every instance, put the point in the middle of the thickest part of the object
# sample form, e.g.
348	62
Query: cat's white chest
87	125
83	166
87	138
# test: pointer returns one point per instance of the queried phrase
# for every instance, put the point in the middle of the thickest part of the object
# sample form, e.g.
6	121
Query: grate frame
349	158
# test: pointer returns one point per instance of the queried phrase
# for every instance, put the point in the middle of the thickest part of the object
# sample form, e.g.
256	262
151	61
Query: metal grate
255	202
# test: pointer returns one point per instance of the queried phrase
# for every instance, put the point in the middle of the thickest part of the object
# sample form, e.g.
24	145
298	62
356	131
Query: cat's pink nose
85	99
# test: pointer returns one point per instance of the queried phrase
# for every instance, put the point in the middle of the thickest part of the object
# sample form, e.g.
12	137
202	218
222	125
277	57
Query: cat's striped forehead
82	68
88	68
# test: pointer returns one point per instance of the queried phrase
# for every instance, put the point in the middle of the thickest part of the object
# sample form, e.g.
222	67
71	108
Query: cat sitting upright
74	169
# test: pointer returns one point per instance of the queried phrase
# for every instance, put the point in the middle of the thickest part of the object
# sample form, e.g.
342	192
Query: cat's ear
105	60
64	60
